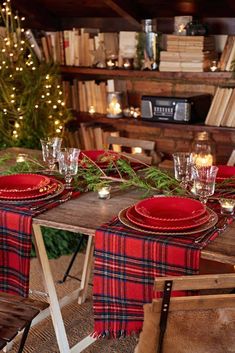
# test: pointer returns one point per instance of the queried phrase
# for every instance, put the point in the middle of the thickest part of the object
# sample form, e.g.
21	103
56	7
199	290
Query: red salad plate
17	183
32	194
225	172
139	220
170	208
100	157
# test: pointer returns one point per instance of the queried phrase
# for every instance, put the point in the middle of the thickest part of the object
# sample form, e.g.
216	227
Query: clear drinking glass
204	181
50	149
183	167
68	164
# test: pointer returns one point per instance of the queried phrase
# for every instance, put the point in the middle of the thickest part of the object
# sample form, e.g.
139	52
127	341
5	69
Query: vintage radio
185	108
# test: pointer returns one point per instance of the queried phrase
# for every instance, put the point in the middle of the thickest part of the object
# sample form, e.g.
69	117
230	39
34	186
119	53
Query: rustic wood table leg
86	270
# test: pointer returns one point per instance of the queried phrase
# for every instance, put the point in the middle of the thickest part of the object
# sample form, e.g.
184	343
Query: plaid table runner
15	246
126	263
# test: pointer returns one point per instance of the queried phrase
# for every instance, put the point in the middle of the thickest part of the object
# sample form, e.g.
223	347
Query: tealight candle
111	63
21	157
104	192
91	110
227	206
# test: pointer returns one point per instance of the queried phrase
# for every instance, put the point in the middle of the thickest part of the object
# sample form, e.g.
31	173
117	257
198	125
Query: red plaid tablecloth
126	264
15	246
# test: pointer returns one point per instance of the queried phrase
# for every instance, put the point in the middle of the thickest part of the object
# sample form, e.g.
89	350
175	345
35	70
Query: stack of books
187	53
222	109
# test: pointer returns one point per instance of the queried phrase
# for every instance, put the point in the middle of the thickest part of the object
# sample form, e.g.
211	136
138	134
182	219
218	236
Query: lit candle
202	160
21	157
227	206
91	110
214	66
136	150
111	63
114	107
104	192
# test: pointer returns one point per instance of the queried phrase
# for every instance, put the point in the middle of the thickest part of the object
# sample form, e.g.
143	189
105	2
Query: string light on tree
30	91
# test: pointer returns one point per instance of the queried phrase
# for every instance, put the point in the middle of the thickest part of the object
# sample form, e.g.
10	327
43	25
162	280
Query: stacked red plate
168	213
20	187
225	172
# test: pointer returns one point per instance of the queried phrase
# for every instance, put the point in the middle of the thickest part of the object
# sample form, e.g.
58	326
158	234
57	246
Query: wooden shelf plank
99	118
215	78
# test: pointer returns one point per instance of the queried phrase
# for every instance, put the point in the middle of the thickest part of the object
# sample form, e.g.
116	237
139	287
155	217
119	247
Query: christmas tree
31	98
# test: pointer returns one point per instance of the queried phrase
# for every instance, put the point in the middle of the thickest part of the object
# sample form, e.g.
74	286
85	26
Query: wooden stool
16	314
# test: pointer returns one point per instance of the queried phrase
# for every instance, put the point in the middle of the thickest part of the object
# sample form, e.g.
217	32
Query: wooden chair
195	324
231	160
16	314
147	155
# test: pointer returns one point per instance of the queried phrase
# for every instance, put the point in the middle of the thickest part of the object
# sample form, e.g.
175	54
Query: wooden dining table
84	215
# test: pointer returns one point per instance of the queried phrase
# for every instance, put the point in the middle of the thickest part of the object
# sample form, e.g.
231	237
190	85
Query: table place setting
24	195
162	235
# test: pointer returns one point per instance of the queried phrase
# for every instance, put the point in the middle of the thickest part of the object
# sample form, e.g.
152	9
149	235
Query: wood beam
125	10
36	15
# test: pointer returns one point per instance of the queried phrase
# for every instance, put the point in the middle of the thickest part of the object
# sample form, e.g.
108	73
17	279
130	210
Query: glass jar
114	104
151	45
203	149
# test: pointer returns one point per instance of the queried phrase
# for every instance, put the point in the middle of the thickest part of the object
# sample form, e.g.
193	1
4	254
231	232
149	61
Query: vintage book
87	139
230	58
45	49
34	44
229	111
212	109
226	52
226	94
98	137
127	45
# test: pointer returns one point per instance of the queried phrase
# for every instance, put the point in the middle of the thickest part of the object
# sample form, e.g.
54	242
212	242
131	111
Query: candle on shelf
127	63
111	62
104	192
214	66
91	110
114	109
227	206
21	157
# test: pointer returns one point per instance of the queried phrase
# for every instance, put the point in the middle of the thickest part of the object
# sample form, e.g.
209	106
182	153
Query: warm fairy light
21	117
54	106
56	122
17	125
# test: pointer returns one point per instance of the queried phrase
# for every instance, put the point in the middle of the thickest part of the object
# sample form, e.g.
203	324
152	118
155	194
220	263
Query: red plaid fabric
15	246
126	263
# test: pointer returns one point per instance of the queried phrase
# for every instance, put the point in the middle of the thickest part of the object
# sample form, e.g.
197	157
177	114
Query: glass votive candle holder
227	206
104	192
127	63
21	157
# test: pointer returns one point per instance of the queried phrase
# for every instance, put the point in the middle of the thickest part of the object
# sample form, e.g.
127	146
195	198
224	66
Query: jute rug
78	319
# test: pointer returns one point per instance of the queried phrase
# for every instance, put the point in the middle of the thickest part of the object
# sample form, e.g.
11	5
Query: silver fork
64	198
219	227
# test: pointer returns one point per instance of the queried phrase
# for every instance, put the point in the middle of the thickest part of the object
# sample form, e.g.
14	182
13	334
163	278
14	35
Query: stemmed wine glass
68	164
183	167
50	149
204	181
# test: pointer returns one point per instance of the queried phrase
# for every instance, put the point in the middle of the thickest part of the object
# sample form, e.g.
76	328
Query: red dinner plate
51	188
17	183
213	219
170	208
137	219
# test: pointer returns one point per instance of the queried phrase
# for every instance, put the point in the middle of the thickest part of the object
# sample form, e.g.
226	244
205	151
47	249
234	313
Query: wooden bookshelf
213	78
